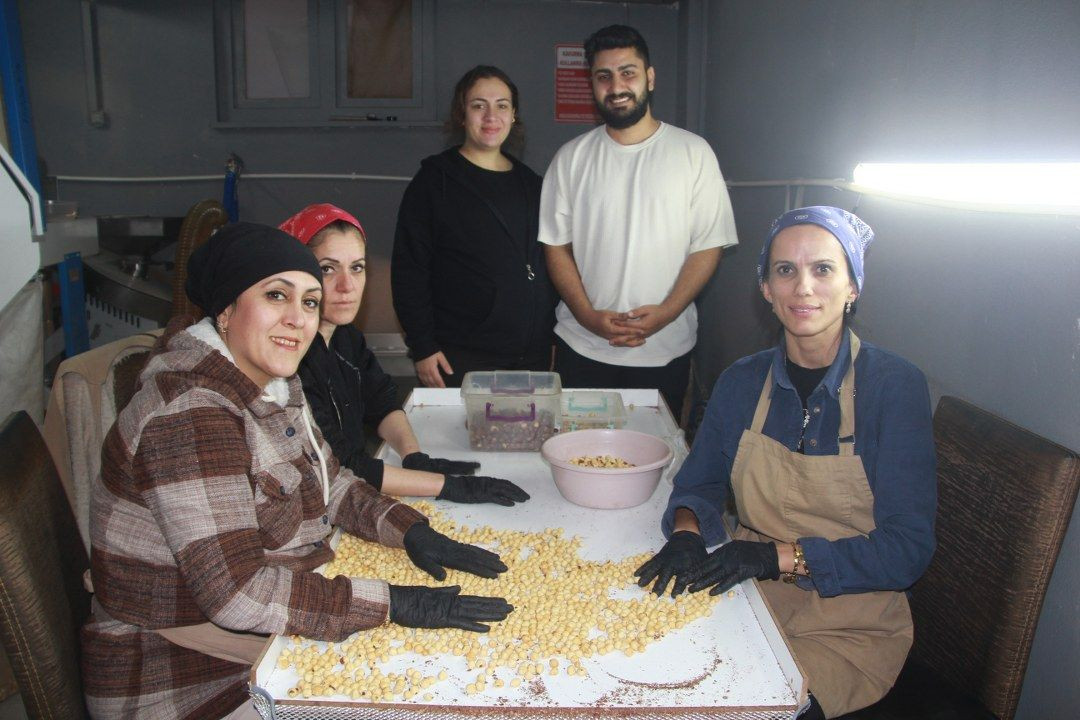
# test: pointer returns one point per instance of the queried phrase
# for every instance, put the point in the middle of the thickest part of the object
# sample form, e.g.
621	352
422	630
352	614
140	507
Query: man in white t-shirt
634	215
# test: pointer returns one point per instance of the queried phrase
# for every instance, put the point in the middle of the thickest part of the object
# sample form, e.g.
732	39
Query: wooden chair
42	600
1005	496
199	224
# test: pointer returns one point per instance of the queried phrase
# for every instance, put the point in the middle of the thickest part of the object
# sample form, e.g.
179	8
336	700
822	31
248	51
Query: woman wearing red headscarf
346	387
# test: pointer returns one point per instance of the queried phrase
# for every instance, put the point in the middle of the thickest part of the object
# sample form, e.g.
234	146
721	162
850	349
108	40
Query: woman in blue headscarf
835	489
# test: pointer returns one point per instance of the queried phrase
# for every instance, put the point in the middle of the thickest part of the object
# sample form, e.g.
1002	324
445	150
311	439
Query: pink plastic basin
604	487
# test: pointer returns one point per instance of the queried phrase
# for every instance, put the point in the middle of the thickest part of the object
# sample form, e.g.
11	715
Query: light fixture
1024	187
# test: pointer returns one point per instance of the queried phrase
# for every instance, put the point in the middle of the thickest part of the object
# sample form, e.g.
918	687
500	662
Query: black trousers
813	711
464	360
577	371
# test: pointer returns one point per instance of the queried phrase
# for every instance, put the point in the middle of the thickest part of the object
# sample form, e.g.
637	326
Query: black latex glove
479	489
734	562
679	557
431	551
421	461
444	607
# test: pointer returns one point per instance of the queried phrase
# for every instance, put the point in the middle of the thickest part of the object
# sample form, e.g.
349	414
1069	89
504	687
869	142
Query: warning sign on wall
573	92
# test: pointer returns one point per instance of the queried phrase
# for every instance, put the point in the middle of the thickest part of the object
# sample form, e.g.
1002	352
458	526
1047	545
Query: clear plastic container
592	409
511	409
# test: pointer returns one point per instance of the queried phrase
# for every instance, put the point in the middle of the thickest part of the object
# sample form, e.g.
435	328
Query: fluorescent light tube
1013	185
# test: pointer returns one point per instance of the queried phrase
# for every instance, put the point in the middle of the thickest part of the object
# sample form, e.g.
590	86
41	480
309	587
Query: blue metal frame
23	146
73	305
231	192
16	101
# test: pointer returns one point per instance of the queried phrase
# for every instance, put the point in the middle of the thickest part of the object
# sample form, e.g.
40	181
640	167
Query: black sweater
460	272
345	386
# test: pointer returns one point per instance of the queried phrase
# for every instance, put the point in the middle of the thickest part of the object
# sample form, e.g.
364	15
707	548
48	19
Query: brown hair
515	141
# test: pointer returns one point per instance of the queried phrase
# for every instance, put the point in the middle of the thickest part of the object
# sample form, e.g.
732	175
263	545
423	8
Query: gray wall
988	305
157	83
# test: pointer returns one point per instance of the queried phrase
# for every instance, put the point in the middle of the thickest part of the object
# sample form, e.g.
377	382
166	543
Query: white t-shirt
634	213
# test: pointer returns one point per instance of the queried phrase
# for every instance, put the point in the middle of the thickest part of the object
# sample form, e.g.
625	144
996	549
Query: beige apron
850	646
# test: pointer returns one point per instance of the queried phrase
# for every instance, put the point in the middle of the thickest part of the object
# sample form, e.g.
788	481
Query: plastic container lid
510	382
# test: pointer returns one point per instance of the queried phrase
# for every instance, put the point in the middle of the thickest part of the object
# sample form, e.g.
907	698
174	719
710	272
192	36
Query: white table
733	663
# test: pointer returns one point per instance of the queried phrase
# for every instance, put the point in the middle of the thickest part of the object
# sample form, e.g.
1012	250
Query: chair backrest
88	391
1005	496
199	224
42	600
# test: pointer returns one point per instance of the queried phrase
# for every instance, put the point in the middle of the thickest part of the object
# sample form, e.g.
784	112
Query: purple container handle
510	418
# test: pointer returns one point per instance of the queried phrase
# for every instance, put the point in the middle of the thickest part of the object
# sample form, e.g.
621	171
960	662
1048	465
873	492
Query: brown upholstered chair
42	600
199	224
1005	496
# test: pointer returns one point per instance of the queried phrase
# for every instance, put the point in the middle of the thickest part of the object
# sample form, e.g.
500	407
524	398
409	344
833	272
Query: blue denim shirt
893	437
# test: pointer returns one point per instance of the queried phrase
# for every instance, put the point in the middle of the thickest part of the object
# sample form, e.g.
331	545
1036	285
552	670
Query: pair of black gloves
442	607
431	551
685	559
461	486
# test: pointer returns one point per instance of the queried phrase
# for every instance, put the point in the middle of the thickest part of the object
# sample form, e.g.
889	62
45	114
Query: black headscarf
239	255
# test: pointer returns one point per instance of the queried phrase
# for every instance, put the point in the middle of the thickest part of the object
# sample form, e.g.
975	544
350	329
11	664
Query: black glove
420	461
734	562
428	607
479	489
679	557
430	551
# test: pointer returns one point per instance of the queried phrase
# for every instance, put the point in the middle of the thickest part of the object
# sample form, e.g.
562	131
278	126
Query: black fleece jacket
345	386
458	275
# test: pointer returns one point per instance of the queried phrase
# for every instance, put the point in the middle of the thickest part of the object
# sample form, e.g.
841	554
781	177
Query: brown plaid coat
210	508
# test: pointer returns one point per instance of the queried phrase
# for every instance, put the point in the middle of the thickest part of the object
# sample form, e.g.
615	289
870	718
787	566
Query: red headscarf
304	224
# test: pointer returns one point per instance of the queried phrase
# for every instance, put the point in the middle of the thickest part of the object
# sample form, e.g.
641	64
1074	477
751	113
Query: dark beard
622	120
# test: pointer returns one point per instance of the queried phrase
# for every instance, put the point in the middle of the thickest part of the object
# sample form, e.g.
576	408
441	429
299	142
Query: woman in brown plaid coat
217	496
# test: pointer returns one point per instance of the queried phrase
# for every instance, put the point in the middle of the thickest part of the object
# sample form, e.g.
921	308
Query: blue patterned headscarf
854	235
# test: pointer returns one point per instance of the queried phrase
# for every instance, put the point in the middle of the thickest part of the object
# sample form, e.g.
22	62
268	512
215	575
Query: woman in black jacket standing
470	286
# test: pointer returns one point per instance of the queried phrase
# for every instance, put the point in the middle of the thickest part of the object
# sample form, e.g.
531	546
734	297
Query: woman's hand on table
421	461
479	489
734	562
432	552
678	559
444	607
